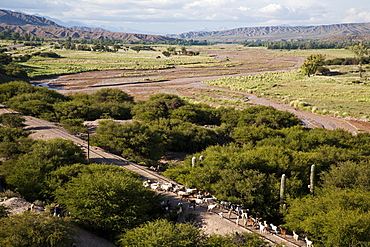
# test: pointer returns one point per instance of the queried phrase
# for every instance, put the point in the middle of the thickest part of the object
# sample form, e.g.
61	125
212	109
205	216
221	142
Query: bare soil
188	82
185	82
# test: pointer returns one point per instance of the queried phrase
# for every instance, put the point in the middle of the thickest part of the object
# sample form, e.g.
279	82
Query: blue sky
178	16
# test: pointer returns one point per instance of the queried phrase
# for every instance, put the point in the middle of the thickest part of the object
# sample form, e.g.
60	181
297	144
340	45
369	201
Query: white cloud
274	9
354	15
186	15
242	8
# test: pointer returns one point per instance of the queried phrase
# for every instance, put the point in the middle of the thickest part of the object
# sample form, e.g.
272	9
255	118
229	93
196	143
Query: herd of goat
196	197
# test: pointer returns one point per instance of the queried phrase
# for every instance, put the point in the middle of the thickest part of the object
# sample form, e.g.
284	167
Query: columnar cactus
282	189
312	180
193	161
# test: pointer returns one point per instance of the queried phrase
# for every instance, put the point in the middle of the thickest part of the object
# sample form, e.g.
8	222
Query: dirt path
210	222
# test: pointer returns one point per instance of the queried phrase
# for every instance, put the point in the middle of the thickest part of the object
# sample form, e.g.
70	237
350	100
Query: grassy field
72	61
329	53
79	61
337	95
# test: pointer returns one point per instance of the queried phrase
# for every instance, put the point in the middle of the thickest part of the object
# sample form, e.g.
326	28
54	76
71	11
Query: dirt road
210	222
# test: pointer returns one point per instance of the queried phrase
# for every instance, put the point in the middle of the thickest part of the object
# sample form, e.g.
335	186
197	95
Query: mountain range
279	33
46	28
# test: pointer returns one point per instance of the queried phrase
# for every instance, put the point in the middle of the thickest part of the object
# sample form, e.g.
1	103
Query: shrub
29	229
15	70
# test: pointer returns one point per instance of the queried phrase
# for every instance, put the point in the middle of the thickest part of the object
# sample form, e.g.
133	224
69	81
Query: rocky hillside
15	18
54	32
274	33
44	28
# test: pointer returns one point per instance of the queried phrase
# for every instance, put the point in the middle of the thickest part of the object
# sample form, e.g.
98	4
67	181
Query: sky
179	16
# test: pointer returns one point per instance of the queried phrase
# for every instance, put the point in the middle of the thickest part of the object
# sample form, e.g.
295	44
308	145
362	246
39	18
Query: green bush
15	70
107	199
12	120
30	229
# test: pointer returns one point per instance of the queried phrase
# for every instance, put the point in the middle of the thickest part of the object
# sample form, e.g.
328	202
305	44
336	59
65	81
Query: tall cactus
312	180
282	189
193	161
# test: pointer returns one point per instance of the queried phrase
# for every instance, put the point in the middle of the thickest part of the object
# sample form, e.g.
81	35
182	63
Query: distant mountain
274	33
44	28
53	32
83	28
15	18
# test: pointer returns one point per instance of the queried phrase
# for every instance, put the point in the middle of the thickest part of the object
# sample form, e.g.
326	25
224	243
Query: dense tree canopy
30	229
12	120
333	217
250	172
245	154
162	233
29	171
13	142
108	199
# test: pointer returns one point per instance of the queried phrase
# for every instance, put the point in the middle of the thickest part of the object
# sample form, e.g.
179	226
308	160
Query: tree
30	229
13	142
162	233
74	109
166	53
158	106
5	59
11	89
312	63
136	140
108	199
29	172
136	48
183	50
348	175
111	95
171	50
12	120
15	70
333	217
360	51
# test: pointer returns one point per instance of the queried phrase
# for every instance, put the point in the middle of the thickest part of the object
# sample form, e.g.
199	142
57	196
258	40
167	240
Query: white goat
211	207
166	186
295	236
262	228
274	228
199	201
155	186
308	242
